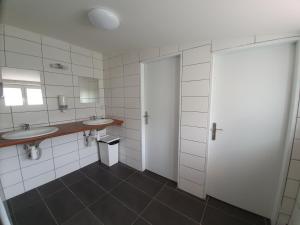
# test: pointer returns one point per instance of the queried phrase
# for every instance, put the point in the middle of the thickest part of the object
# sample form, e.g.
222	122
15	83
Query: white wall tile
97	55
197	55
88	160
294	170
1	28
115	62
54	91
131	57
8	152
40	117
55	43
132	81
16	60
194	148
193	175
22	46
1	42
194	133
117	92
82	71
195	88
196	72
186	46
82	60
65	70
14	190
86	151
192	188
194	119
65	159
296	150
39	180
85	113
132	69
132	103
52	103
116	72
56	54
116	82
132	92
149	53
132	113
133	124
192	161
37	169
11	178
196	104
167	50
2	58
291	188
97	73
133	134
231	43
117	102
57	115
283	219
5	121
97	63
58	79
287	205
69	168
64	139
20	33
46	155
63	149
81	50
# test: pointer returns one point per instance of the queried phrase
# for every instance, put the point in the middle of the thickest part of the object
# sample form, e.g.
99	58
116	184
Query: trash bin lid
108	139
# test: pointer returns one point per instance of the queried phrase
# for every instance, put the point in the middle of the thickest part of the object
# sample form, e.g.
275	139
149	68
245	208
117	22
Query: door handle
146	116
214	131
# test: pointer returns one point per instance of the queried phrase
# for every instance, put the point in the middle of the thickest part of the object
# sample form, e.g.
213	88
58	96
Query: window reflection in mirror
21	87
88	89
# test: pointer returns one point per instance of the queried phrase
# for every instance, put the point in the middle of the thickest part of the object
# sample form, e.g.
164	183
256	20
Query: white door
161	99
250	101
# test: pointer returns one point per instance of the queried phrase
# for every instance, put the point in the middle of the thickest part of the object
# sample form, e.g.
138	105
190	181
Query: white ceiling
153	23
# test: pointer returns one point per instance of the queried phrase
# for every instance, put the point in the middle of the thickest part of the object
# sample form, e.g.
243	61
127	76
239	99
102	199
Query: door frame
292	118
142	99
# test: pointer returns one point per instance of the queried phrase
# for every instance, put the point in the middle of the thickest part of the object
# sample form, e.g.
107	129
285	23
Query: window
21	87
34	96
12	96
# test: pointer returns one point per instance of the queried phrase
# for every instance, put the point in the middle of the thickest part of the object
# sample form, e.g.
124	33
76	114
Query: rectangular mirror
88	89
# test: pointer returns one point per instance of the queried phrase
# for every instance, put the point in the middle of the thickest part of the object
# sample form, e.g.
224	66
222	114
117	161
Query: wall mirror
21	87
88	89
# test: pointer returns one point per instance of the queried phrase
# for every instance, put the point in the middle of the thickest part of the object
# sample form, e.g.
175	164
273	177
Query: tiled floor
121	195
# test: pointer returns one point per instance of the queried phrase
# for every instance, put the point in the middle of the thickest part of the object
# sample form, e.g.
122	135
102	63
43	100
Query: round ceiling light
104	18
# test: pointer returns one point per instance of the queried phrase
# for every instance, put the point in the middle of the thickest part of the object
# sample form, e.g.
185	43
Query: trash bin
109	149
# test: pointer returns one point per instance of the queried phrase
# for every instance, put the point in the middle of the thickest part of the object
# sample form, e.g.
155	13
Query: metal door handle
214	131
146	116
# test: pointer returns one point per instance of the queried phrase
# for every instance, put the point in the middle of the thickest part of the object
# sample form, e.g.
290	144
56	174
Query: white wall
61	155
122	100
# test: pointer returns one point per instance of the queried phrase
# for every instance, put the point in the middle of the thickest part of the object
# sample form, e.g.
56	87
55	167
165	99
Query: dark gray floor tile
214	216
63	205
122	171
144	183
157	177
158	214
50	188
111	212
132	197
92	169
141	221
72	178
24	200
236	212
87	191
36	214
184	203
84	217
106	180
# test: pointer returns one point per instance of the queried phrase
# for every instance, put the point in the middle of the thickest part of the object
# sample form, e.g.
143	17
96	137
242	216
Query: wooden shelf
63	129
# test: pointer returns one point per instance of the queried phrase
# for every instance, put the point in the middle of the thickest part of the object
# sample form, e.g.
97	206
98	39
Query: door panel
250	102
161	84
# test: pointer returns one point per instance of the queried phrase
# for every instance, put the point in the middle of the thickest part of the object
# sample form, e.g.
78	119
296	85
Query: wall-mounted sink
97	122
34	132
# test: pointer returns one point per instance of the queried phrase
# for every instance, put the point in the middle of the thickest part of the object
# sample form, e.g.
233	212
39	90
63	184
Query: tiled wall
122	100
61	155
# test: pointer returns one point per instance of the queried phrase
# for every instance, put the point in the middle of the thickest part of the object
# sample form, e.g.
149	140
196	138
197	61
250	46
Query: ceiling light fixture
104	18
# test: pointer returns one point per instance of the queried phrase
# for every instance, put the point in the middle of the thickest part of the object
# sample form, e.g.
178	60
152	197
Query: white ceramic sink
97	122
33	132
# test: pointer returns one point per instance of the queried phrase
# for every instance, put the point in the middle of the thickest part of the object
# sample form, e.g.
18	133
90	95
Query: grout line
45	203
204	210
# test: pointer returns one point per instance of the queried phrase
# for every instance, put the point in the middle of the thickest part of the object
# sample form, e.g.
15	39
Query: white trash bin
109	150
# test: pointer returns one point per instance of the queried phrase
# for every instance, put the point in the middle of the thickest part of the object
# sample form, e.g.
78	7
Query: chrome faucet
26	126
